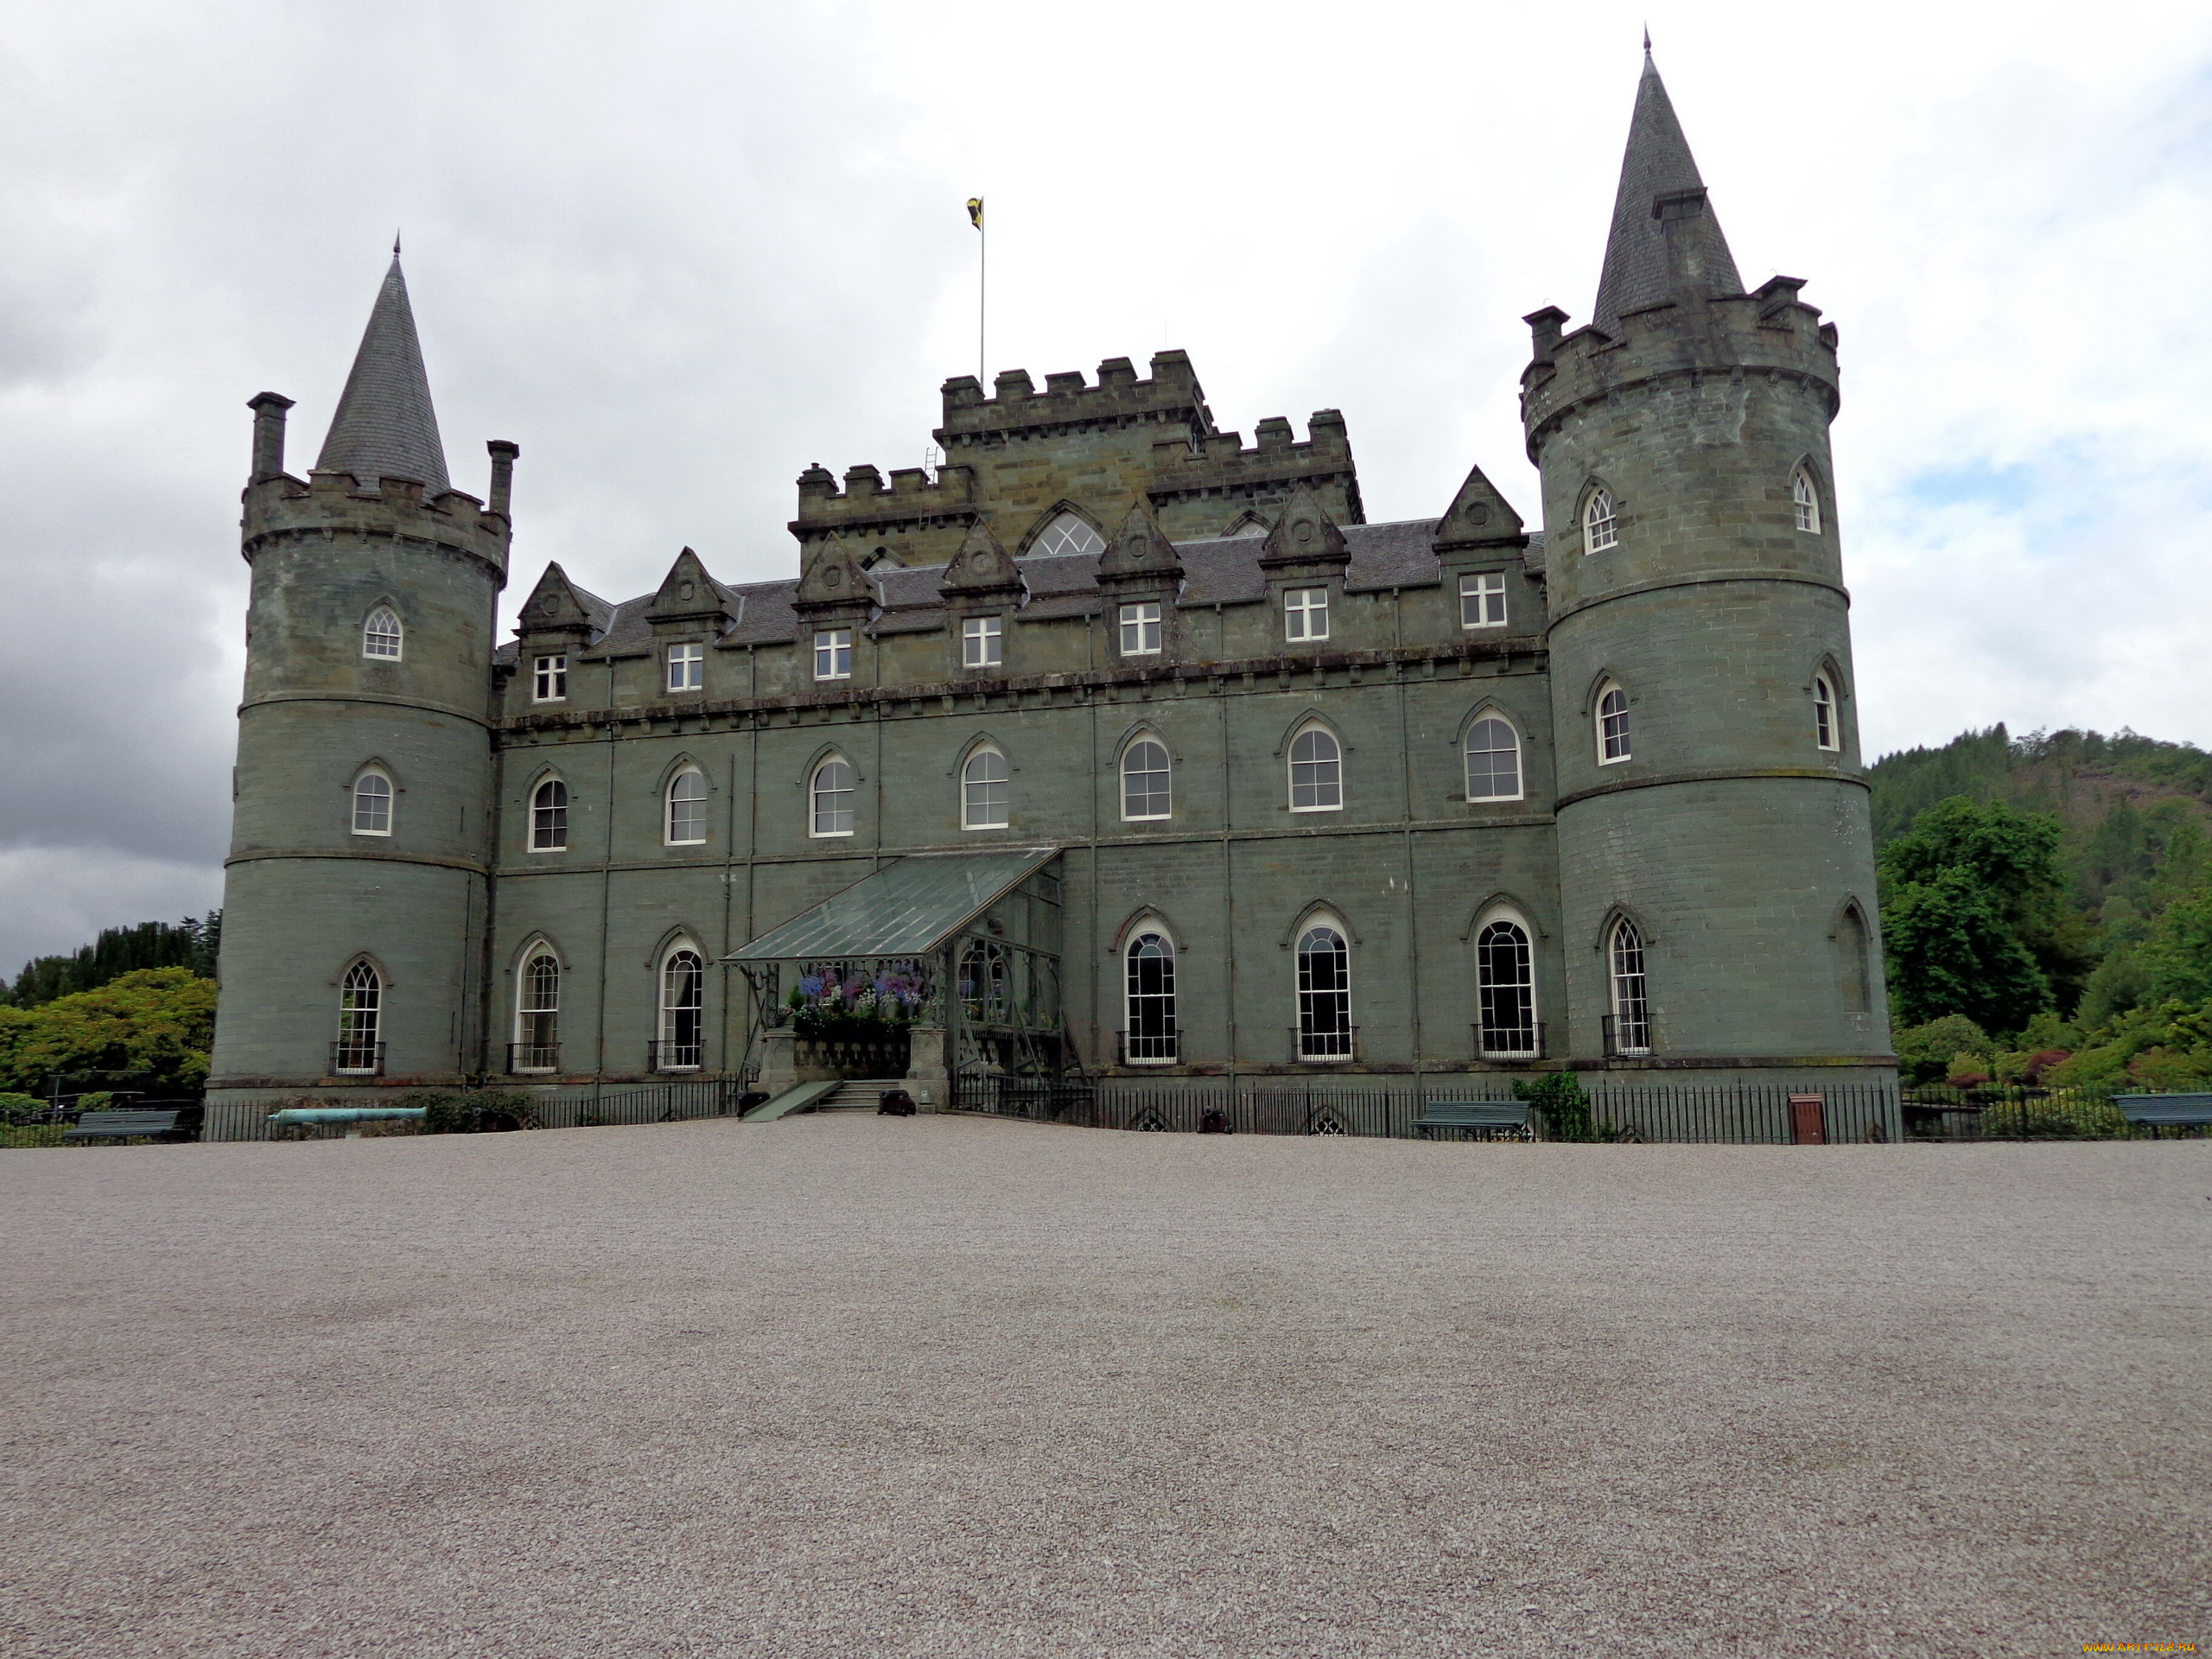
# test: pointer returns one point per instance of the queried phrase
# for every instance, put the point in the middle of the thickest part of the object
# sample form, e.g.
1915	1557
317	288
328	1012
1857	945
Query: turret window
538	1015
1805	496
380	634
1068	534
687	668
1600	529
1146	784
1305	613
1317	783
1140	630
681	1046
359	1048
549	680
1493	760
1482	602
687	808
549	817
1628	1028
830	798
982	642
986	791
833	654
1612	725
1824	726
372	804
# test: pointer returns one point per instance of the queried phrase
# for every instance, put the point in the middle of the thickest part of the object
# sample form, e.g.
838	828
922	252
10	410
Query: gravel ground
955	1387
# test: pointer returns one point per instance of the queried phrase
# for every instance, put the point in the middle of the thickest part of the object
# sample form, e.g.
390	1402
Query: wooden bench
2157	1112
161	1122
1511	1114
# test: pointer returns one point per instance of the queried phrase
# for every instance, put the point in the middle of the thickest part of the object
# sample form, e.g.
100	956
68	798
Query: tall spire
385	426
1661	201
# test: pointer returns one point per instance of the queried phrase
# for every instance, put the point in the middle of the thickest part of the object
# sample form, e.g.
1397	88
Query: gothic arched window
1600	529
1824	726
1146	782
683	1011
1805	498
1505	985
1151	1038
1316	771
538	1015
1629	1026
549	817
687	808
359	1047
1324	994
829	798
986	791
1612	725
380	634
1857	955
372	803
1493	760
1068	534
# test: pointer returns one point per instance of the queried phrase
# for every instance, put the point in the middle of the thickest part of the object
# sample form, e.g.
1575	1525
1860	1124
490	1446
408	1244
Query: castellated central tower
363	792
1715	855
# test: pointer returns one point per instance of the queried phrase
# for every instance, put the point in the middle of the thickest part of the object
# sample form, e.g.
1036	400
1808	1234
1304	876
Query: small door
1808	1121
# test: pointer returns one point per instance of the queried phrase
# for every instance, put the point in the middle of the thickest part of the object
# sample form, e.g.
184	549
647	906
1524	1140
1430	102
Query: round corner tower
356	890
1716	852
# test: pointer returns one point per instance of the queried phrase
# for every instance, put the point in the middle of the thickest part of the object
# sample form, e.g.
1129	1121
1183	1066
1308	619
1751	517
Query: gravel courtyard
956	1387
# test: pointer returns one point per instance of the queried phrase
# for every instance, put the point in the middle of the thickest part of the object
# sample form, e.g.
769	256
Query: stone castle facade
1204	773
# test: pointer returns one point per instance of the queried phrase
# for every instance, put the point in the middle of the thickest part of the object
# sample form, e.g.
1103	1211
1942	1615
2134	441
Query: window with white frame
1493	760
1305	613
1151	1038
1600	529
1824	726
549	817
1324	993
833	654
359	1048
380	634
1316	772
982	642
372	803
1068	534
537	1014
682	1043
986	791
1805	497
1505	987
687	808
829	798
1482	600
1612	725
687	667
549	679
1140	629
1146	792
1631	1020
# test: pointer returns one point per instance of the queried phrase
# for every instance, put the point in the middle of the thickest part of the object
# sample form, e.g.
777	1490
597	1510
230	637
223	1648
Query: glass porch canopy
909	908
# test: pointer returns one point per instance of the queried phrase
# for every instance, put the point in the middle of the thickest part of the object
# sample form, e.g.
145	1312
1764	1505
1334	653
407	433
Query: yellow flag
976	211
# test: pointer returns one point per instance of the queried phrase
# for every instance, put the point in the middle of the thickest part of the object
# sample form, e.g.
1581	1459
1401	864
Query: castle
1114	746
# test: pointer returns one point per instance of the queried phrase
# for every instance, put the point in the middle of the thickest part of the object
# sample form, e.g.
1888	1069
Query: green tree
192	943
157	1023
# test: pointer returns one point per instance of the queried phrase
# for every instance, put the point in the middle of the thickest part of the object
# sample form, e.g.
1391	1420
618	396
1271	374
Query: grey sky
679	251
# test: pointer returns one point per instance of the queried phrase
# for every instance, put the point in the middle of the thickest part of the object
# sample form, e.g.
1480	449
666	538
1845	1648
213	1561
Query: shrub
455	1112
1557	1097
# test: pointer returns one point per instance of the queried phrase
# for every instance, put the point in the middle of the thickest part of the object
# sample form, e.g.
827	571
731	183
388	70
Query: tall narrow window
549	680
1482	602
1612	725
380	635
1068	534
986	791
372	805
829	798
687	808
549	817
982	983
687	667
359	1047
833	654
1493	760
1140	629
537	1016
1600	530
1145	782
1305	613
1505	984
1324	995
683	1012
1316	772
1629	1026
1853	949
1152	1036
1824	728
1805	496
982	642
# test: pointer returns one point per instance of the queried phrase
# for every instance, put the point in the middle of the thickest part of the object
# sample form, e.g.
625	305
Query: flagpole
983	302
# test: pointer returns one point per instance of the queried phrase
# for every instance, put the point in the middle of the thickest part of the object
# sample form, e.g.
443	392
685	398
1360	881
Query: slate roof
1657	162
385	426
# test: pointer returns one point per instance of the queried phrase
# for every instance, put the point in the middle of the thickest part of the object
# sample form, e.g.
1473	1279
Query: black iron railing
1509	1043
1148	1047
1327	1046
1625	1038
533	1057
674	1057
350	1058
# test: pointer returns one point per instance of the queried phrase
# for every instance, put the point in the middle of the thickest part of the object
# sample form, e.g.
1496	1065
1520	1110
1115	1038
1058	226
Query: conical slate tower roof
1657	165
385	426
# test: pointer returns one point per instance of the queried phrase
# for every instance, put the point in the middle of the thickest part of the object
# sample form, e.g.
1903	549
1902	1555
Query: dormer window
1305	613
1482	600
380	635
549	679
982	642
1140	629
687	668
1806	497
833	654
1068	534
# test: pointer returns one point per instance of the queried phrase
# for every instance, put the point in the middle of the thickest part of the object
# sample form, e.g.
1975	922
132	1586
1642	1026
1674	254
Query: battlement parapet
910	496
1770	331
338	503
1222	463
1120	398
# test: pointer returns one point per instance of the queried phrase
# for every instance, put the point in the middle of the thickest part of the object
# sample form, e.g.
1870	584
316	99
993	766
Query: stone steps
858	1095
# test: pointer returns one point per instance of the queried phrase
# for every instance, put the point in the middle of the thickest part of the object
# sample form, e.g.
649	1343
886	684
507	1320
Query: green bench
2166	1111
1508	1115
159	1122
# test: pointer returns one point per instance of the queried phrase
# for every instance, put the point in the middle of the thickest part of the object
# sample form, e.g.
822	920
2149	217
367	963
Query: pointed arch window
1824	723
1152	1037
1627	1027
687	808
1325	1029
1856	955
549	817
1612	725
1600	526
829	798
1493	760
1068	533
358	1051
537	1014
1505	984
682	1043
372	803
1805	499
986	791
1317	782
380	634
1146	782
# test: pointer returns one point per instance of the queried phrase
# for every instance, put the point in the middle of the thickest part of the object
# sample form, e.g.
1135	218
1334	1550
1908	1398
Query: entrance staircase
852	1095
